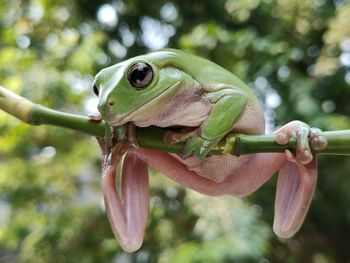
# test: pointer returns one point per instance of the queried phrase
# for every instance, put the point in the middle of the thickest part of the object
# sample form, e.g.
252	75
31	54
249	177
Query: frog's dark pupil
140	75
95	90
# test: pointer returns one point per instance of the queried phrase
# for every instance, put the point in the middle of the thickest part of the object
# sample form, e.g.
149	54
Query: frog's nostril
110	103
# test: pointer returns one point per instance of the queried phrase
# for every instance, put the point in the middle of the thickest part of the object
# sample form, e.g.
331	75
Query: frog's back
213	77
208	73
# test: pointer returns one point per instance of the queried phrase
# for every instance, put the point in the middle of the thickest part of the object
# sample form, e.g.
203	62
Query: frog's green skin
189	91
209	91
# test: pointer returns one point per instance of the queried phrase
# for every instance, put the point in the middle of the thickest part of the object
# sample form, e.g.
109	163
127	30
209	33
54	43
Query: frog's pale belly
214	168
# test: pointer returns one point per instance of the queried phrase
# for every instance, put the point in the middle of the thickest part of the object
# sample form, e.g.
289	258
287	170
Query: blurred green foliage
295	54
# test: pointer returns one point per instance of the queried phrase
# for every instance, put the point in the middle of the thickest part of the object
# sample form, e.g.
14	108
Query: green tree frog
169	88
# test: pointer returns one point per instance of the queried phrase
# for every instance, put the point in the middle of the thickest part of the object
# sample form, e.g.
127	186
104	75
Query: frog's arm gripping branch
152	137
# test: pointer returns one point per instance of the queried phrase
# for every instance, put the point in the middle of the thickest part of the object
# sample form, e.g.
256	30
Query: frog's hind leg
295	188
127	208
297	179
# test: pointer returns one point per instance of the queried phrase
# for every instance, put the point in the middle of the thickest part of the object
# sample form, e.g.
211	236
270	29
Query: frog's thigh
241	181
228	106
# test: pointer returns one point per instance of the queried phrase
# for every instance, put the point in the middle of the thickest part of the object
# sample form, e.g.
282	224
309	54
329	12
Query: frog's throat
124	118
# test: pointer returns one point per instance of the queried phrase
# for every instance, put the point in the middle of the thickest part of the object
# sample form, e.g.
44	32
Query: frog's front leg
228	106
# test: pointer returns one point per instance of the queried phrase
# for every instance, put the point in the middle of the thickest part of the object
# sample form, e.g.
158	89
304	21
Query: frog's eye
95	89
140	75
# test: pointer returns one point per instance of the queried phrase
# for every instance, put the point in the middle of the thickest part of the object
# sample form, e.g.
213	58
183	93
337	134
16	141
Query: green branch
152	137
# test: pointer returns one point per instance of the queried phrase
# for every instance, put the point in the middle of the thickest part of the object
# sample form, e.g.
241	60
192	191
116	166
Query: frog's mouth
118	120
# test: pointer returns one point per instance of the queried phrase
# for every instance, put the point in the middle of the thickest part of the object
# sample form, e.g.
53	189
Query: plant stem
43	115
152	137
240	144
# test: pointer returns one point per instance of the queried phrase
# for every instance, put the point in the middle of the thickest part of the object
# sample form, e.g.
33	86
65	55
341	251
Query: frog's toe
191	147
304	156
300	158
185	154
303	151
282	138
186	133
305	137
197	146
317	140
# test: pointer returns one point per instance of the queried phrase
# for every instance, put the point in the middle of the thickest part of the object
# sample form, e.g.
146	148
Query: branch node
15	105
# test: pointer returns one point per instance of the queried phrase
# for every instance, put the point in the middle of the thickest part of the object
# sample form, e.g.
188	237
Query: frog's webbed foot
198	146
308	139
297	179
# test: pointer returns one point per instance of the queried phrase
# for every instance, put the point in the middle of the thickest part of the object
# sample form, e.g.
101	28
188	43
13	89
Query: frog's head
130	88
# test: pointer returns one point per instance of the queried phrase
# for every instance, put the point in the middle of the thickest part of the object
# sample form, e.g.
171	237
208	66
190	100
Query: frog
172	88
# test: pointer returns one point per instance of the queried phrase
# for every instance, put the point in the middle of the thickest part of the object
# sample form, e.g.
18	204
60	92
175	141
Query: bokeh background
294	54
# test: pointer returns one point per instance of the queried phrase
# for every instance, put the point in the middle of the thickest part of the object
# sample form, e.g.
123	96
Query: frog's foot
195	144
297	179
198	147
308	139
171	137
